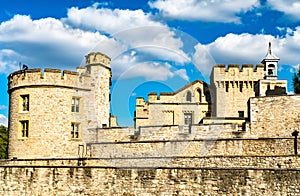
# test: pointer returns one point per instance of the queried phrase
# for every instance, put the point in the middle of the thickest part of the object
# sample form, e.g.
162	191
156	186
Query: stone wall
221	161
196	148
48	77
162	133
194	131
99	180
232	86
169	108
49	117
274	116
98	65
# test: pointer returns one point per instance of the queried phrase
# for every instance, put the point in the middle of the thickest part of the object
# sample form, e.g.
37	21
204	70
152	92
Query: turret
270	63
98	65
97	58
51	110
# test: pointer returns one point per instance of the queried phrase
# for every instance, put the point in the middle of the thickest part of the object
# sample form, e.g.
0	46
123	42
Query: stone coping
153	168
189	140
170	157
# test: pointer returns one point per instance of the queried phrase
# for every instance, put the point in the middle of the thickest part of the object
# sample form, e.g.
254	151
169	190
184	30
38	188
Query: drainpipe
295	134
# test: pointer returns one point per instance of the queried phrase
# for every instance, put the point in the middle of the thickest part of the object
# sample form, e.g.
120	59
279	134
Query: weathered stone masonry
49	116
179	156
97	180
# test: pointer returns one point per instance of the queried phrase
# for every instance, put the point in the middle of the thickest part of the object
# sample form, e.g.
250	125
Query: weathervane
23	68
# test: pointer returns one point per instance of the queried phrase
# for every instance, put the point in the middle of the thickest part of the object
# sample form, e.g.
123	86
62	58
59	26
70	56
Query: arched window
188	96
199	95
271	70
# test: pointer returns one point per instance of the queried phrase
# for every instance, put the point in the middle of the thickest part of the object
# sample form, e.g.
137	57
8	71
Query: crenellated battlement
236	72
49	77
140	101
97	58
152	97
240	68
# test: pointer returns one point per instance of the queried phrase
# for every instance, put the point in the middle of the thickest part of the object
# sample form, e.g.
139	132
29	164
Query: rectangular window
24	128
75	104
241	114
25	102
188	118
75	130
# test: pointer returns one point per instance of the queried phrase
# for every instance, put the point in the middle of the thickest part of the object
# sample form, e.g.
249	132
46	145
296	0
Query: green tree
3	142
296	81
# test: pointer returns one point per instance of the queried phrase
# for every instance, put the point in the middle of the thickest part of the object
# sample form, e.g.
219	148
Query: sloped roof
270	55
183	88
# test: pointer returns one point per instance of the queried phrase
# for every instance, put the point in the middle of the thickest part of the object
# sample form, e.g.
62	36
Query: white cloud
248	48
203	60
149	70
165	54
289	7
243	48
63	43
9	61
127	66
158	42
130	29
45	30
204	10
182	73
107	20
3	120
43	42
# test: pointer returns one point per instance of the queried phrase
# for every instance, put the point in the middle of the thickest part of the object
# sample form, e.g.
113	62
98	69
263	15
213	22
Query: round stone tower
98	66
50	110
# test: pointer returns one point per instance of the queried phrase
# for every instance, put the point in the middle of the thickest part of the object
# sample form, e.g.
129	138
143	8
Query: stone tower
231	87
98	66
51	111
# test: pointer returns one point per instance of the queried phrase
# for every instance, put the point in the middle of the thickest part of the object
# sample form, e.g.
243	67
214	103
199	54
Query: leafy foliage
3	142
296	81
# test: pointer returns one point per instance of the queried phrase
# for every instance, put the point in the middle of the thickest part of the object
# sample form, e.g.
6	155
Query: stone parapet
274	116
48	77
140	150
226	162
222	68
97	58
107	180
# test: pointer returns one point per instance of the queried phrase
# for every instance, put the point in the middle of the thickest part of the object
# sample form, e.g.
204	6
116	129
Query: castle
224	101
233	136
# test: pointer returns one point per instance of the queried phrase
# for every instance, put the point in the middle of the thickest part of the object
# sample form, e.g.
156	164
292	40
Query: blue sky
155	45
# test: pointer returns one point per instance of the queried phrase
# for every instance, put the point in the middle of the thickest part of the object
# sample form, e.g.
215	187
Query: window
227	86
188	118
25	102
241	114
24	128
270	72
241	86
75	130
199	95
188	96
75	104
